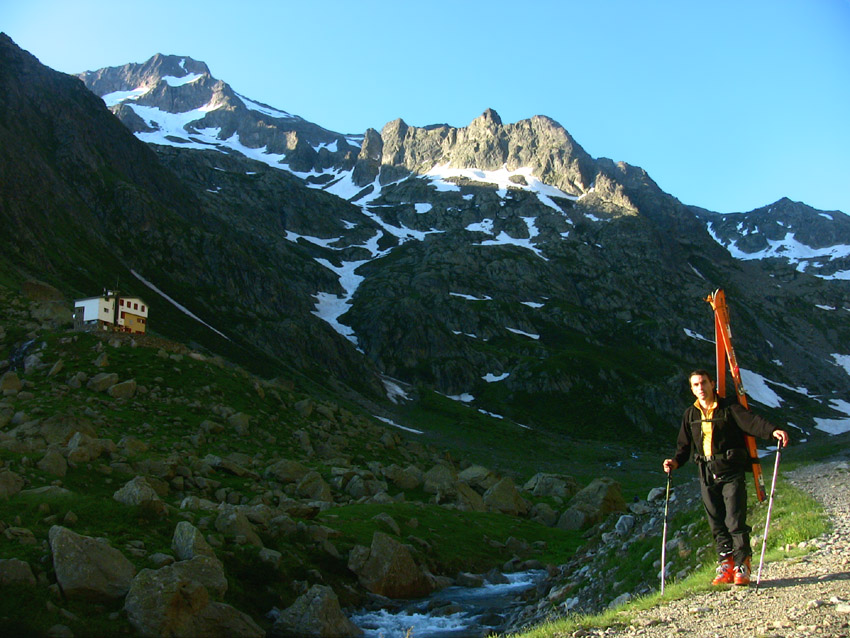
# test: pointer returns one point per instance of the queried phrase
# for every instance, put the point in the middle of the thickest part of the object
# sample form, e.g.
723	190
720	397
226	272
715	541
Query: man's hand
670	465
782	437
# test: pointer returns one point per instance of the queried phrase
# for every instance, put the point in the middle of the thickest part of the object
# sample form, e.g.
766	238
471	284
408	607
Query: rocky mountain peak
172	68
488	119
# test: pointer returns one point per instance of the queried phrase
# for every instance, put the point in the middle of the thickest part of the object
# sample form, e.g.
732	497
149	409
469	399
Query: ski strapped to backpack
724	352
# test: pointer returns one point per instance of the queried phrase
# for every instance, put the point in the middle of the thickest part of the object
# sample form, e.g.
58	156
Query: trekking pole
769	507
664	532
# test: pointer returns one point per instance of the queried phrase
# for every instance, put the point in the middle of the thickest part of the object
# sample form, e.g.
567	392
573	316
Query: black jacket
729	449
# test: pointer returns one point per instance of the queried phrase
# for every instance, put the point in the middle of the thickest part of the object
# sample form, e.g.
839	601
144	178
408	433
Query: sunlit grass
795	517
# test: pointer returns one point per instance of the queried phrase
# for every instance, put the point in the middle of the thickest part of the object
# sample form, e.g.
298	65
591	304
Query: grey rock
287	471
440	480
102	381
10	382
233	523
53	463
15	572
388	569
170	602
388	522
478	477
87	568
313	487
315	614
505	498
124	390
188	542
10	483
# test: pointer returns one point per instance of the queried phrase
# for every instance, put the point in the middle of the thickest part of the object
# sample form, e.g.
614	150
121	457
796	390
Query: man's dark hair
701	373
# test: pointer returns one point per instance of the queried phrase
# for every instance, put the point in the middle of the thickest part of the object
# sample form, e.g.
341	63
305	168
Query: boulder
573	519
21	535
440	480
656	494
401	478
592	504
10	484
59	428
315	614
82	448
15	573
387	522
558	486
53	463
287	471
123	390
543	513
624	524
468	500
229	466
232	522
88	568
313	487
188	542
139	492
170	602
102	382
206	570
387	568
478	477
240	422
10	382
504	497
358	487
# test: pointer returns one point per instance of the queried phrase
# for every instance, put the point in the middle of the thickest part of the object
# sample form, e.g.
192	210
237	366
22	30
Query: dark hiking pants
725	501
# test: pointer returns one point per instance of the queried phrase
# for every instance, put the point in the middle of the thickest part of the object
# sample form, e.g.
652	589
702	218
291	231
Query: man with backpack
714	428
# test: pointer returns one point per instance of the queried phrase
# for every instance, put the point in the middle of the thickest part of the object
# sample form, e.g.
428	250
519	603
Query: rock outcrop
315	614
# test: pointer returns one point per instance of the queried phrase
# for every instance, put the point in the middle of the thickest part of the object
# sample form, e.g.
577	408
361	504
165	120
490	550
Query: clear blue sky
728	105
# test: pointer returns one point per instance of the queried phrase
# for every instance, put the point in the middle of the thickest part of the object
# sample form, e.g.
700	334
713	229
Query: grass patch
456	541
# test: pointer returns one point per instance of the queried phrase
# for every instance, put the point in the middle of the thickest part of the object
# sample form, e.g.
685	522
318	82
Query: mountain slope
496	264
92	206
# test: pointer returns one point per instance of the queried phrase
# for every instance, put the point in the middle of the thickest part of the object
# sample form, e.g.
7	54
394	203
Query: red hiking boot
725	572
742	572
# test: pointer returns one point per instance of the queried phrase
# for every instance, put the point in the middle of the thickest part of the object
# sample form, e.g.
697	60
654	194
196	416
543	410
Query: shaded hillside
91	205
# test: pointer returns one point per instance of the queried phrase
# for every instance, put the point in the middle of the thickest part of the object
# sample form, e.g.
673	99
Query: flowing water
453	612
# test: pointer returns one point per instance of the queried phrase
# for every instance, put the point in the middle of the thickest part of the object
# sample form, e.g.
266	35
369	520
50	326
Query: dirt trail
800	597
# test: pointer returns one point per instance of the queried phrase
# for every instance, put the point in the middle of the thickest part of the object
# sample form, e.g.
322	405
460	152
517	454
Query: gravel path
799	597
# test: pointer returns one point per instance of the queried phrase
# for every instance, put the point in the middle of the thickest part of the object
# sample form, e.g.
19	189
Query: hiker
714	427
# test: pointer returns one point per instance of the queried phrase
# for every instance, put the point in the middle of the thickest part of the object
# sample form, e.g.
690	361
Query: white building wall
96	308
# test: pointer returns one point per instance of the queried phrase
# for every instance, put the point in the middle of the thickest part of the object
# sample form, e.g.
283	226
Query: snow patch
836	426
330	307
394	391
116	97
177	305
265	110
172	80
842	360
318	241
790	249
501	178
696	335
470	297
523	333
396	425
756	388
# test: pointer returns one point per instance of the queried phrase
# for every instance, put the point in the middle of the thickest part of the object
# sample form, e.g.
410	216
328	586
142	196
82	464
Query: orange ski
724	352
